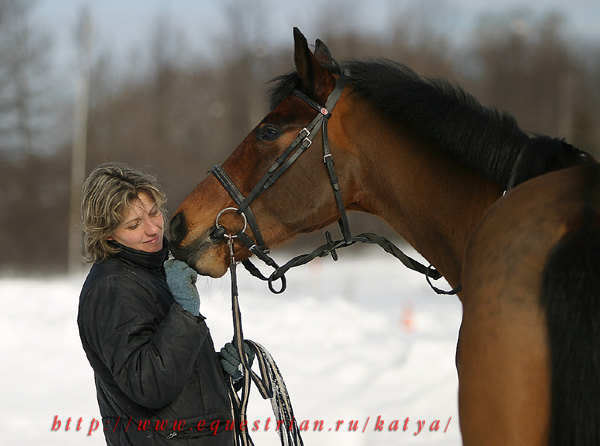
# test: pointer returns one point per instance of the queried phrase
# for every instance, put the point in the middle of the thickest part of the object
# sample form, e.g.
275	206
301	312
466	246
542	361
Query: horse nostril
177	228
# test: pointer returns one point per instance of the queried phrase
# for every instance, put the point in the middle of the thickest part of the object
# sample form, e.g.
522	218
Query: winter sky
123	24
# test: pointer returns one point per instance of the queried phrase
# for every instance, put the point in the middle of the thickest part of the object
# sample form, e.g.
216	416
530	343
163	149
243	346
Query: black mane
442	115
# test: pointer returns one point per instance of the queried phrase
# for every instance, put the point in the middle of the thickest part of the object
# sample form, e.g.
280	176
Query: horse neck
431	200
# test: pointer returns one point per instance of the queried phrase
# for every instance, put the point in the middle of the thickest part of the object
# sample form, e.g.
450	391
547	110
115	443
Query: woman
158	378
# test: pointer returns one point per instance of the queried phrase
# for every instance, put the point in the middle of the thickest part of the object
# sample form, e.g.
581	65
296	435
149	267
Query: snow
361	340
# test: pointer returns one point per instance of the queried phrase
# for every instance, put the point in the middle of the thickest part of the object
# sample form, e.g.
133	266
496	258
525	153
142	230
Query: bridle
293	151
270	383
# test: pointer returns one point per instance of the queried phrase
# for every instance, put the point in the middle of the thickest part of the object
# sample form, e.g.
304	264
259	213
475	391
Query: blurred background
173	86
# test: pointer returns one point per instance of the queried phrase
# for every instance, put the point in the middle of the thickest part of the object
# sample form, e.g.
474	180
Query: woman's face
143	225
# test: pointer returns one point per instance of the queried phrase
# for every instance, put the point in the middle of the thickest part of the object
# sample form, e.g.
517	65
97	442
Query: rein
302	142
269	383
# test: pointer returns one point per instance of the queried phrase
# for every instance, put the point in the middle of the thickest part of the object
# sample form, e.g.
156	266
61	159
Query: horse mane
444	117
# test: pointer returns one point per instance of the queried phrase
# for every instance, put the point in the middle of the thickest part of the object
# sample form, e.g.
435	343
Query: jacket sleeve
150	359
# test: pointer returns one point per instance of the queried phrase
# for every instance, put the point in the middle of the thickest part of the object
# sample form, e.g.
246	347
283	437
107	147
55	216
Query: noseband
293	151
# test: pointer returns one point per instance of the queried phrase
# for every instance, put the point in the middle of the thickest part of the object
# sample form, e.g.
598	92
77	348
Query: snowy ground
356	339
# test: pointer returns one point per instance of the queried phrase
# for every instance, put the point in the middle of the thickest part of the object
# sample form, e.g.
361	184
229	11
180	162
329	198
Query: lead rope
270	383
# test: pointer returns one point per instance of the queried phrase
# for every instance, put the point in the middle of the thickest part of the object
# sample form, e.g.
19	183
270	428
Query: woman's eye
133	226
268	133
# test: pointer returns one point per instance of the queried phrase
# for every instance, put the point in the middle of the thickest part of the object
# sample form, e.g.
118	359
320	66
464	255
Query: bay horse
514	218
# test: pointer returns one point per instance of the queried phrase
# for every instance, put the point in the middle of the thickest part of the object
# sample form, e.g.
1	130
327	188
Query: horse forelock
282	87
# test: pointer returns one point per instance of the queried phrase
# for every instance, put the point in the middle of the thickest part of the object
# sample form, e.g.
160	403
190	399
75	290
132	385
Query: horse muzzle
205	252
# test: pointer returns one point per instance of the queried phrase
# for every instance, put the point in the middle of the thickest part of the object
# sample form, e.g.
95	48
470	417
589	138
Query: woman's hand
230	360
181	280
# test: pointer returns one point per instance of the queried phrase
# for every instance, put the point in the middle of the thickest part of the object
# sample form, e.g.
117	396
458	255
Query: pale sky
121	25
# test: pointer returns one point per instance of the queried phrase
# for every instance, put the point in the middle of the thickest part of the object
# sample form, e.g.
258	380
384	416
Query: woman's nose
152	227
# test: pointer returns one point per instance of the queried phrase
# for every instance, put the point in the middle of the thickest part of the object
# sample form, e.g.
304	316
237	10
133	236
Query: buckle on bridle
255	248
307	145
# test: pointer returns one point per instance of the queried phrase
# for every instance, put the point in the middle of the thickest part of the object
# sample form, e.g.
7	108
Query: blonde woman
158	378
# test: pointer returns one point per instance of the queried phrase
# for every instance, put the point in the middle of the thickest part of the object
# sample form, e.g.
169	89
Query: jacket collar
147	260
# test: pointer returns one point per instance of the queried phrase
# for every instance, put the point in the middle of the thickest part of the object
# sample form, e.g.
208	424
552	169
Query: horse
510	217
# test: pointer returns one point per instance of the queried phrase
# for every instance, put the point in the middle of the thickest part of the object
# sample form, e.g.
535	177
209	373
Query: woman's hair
107	192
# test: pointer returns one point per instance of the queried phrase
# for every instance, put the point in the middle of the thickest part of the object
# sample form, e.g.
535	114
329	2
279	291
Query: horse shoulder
503	358
510	245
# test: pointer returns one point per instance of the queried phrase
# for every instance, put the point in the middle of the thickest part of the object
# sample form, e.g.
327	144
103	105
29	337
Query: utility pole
79	142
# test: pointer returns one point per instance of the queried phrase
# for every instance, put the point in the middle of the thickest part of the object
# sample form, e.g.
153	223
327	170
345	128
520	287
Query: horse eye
268	133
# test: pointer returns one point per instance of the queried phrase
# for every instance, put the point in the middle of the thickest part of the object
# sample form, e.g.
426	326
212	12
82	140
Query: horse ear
303	59
311	67
323	55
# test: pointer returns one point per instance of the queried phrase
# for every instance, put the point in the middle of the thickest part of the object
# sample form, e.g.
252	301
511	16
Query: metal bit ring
231	209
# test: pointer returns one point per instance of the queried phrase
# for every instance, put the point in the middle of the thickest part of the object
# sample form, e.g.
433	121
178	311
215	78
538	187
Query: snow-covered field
361	340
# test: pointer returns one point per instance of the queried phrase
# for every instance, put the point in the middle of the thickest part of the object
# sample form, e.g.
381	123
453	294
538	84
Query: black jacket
158	378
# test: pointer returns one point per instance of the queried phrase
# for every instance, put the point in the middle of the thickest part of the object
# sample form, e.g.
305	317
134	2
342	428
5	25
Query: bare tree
527	70
23	62
32	177
79	143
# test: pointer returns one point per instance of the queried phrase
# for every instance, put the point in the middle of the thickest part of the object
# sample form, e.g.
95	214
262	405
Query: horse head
301	201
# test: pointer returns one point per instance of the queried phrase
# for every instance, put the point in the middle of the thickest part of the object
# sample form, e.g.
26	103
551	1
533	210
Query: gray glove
230	360
181	280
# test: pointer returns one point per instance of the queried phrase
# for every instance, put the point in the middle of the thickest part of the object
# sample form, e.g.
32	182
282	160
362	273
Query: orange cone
407	319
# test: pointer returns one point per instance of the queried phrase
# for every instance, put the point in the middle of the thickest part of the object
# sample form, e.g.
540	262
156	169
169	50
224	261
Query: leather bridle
293	151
